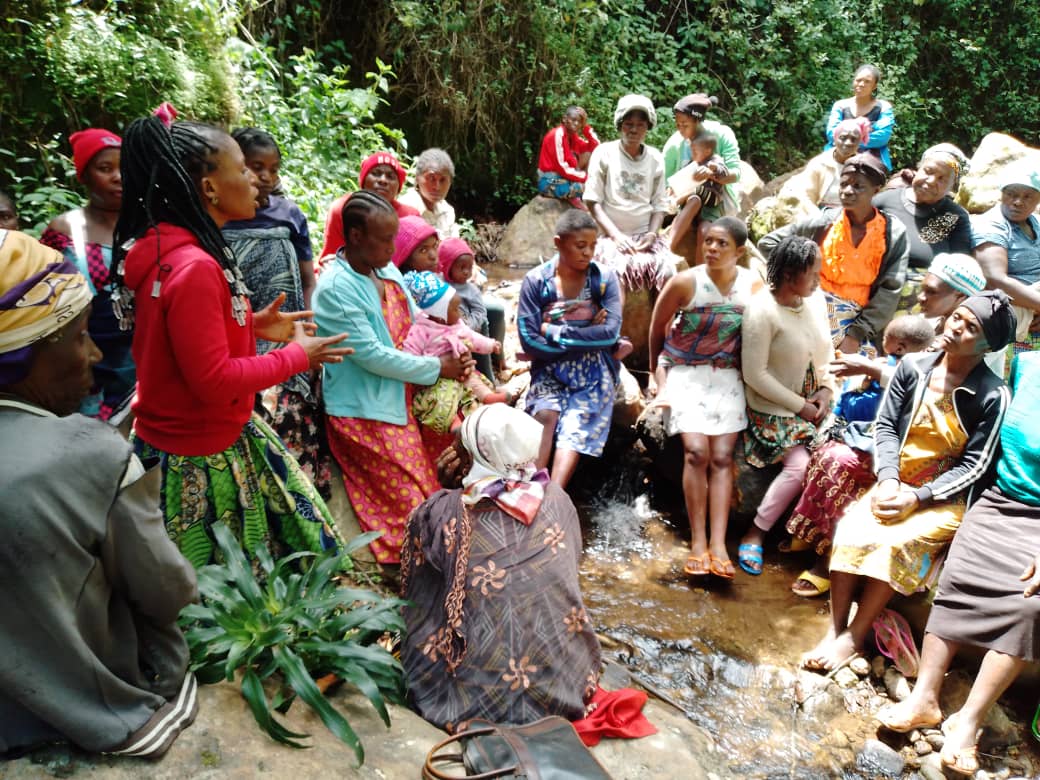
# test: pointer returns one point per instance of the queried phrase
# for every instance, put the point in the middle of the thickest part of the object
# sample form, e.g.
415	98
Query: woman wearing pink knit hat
382	174
84	237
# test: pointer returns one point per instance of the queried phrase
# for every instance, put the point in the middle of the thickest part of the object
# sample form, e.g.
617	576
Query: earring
214	200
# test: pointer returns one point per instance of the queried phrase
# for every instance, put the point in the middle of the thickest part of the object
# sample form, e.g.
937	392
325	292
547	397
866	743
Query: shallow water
724	654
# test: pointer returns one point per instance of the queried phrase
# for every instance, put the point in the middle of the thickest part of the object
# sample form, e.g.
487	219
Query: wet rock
877	666
528	238
837	739
846	678
922	748
980	187
931	767
876	759
860	666
936	739
628	401
896	685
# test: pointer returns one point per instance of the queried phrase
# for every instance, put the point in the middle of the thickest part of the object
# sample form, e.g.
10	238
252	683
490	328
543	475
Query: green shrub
302	625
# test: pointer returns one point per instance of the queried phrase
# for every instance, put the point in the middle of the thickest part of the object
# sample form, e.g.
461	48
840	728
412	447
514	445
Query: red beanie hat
411	232
380	158
450	250
87	143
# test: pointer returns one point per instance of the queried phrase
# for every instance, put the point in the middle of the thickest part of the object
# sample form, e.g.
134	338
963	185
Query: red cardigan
197	369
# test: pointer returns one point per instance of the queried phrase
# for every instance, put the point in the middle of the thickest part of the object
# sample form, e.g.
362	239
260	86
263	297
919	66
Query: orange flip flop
698	565
722	567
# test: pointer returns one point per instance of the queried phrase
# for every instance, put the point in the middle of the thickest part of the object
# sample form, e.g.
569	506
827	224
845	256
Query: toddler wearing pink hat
439	330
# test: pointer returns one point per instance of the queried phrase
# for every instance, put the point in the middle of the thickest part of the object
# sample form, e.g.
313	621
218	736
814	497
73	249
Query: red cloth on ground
197	369
334	223
614	714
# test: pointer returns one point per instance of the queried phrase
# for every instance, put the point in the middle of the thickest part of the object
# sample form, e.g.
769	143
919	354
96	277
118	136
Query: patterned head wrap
1024	172
859	124
868	165
504	444
993	310
629	103
39	294
429	293
380	158
450	250
950	155
961	272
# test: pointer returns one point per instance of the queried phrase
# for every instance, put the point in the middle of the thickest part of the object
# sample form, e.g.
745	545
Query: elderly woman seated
90	584
988	586
936	436
816	187
497	628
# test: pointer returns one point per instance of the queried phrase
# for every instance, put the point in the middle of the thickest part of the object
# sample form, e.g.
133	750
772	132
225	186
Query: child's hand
497	349
600	318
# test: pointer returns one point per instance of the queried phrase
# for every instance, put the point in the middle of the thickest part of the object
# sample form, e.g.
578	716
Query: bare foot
907	715
831	653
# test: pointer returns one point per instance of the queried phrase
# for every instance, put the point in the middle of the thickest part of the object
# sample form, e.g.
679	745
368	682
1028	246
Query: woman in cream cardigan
785	354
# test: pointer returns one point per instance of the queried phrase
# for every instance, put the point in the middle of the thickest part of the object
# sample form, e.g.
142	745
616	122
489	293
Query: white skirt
704	399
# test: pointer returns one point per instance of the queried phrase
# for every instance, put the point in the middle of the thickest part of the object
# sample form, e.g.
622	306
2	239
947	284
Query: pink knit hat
411	232
87	143
451	249
380	158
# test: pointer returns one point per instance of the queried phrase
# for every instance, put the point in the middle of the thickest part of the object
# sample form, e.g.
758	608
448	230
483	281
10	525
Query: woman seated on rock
695	351
865	103
935	437
497	628
90	584
434	173
382	174
785	351
934	223
569	320
625	191
816	187
981	599
1007	245
864	256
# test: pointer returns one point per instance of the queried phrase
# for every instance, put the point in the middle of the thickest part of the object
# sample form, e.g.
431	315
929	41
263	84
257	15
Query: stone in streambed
876	759
860	666
896	685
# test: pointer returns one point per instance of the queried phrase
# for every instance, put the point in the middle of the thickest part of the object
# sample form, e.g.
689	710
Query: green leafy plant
299	623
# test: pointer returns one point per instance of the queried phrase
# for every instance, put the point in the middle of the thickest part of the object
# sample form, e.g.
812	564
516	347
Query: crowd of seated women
864	359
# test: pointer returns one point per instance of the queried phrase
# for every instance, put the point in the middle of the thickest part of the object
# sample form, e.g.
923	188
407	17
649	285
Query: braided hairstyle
250	138
794	255
359	207
161	169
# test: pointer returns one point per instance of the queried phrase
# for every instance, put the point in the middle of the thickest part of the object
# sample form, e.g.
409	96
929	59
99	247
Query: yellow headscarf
39	291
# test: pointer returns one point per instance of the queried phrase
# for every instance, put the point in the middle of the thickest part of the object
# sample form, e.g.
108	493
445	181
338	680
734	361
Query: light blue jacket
370	383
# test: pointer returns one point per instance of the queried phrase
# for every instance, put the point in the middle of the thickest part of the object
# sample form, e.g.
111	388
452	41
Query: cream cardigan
778	345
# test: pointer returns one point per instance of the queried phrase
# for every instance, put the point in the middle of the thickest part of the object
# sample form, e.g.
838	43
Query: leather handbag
548	749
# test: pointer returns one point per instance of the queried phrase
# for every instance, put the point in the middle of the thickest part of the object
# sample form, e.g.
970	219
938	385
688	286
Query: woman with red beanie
84	236
382	174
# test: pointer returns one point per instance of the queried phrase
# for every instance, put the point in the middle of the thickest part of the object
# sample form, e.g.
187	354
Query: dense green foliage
302	625
486	78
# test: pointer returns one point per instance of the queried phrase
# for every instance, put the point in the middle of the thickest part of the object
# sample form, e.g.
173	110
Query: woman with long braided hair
372	431
178	286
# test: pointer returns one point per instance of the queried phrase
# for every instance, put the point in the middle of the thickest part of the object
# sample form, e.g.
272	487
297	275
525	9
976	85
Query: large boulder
749	188
980	188
528	239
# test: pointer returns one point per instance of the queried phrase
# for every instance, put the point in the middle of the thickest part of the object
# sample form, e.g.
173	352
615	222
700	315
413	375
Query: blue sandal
749	556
